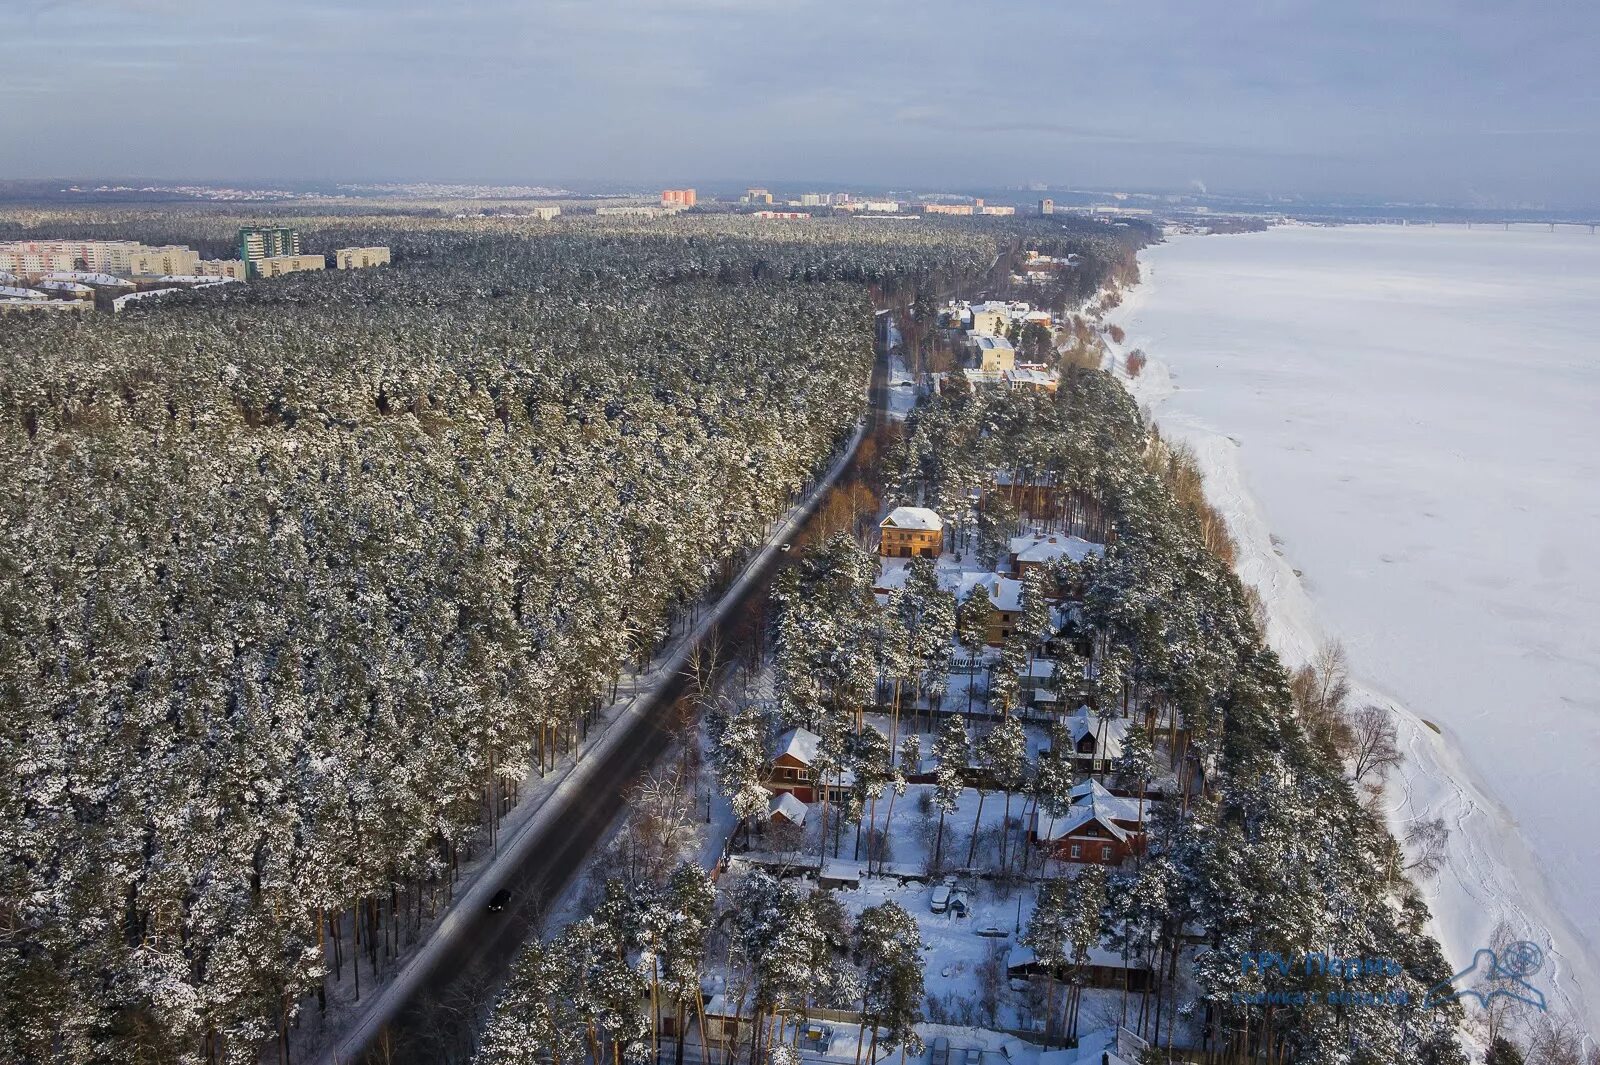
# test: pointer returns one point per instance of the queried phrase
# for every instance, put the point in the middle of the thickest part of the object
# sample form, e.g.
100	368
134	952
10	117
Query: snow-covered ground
1399	424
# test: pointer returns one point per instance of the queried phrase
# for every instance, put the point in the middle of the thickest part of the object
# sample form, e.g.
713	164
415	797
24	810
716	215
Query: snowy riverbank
1405	415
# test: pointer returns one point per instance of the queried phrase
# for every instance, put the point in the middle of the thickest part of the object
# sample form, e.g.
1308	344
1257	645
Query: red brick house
1098	829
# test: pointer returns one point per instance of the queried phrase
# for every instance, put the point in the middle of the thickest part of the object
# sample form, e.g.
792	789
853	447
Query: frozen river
1401	426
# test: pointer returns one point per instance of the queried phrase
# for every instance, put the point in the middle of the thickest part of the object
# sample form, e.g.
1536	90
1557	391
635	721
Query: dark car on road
501	900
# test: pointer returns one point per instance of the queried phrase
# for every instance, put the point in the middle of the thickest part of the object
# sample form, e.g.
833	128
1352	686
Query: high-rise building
756	196
677	197
261	242
1047	207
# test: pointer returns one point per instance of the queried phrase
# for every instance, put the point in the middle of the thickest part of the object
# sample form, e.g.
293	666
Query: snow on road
1411	413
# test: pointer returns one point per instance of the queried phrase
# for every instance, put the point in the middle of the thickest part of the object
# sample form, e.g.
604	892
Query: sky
1462	102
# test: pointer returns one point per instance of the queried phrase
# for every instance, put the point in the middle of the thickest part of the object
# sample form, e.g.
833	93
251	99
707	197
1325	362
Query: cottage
792	758
1103	968
1005	597
785	809
1098	828
911	532
1040	550
1096	744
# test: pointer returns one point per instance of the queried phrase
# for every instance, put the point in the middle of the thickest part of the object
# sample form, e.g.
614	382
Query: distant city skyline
1428	101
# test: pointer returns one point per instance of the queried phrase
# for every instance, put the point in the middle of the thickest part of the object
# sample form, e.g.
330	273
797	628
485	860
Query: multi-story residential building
756	196
357	258
67	290
156	262
47	306
947	208
261	242
230	268
30	258
1047	206
991	317
995	353
277	265
677	197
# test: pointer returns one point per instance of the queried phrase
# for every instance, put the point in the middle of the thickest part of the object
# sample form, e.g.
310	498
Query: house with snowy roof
786	809
1097	828
1096	744
911	532
1102	967
995	353
989	318
1005	599
88	277
67	290
792	756
1041	549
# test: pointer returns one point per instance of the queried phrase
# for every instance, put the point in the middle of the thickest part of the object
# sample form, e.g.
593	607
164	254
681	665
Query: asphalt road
439	1018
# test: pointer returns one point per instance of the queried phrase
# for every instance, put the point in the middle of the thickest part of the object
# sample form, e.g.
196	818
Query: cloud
1365	96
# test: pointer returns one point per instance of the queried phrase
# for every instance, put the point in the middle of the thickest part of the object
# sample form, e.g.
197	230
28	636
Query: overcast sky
1463	102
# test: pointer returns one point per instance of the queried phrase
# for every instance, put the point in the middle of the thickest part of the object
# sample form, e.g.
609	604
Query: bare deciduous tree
1428	842
1374	746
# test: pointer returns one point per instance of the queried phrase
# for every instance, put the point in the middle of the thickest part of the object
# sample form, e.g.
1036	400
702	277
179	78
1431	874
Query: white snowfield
1408	416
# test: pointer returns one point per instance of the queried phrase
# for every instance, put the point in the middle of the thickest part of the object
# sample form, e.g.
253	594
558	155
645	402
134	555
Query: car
939	901
500	901
973	1056
939	1051
991	932
786	548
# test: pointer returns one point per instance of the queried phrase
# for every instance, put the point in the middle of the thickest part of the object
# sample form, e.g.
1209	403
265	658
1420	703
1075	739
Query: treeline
300	581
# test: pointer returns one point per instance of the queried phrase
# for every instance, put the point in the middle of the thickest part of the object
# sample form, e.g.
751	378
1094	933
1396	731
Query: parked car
973	1056
500	901
939	1051
939	901
991	932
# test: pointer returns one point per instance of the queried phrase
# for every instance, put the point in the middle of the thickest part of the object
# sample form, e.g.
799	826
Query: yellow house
911	532
995	353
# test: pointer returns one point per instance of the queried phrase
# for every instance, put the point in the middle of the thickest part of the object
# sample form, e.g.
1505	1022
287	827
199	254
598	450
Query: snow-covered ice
1406	416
